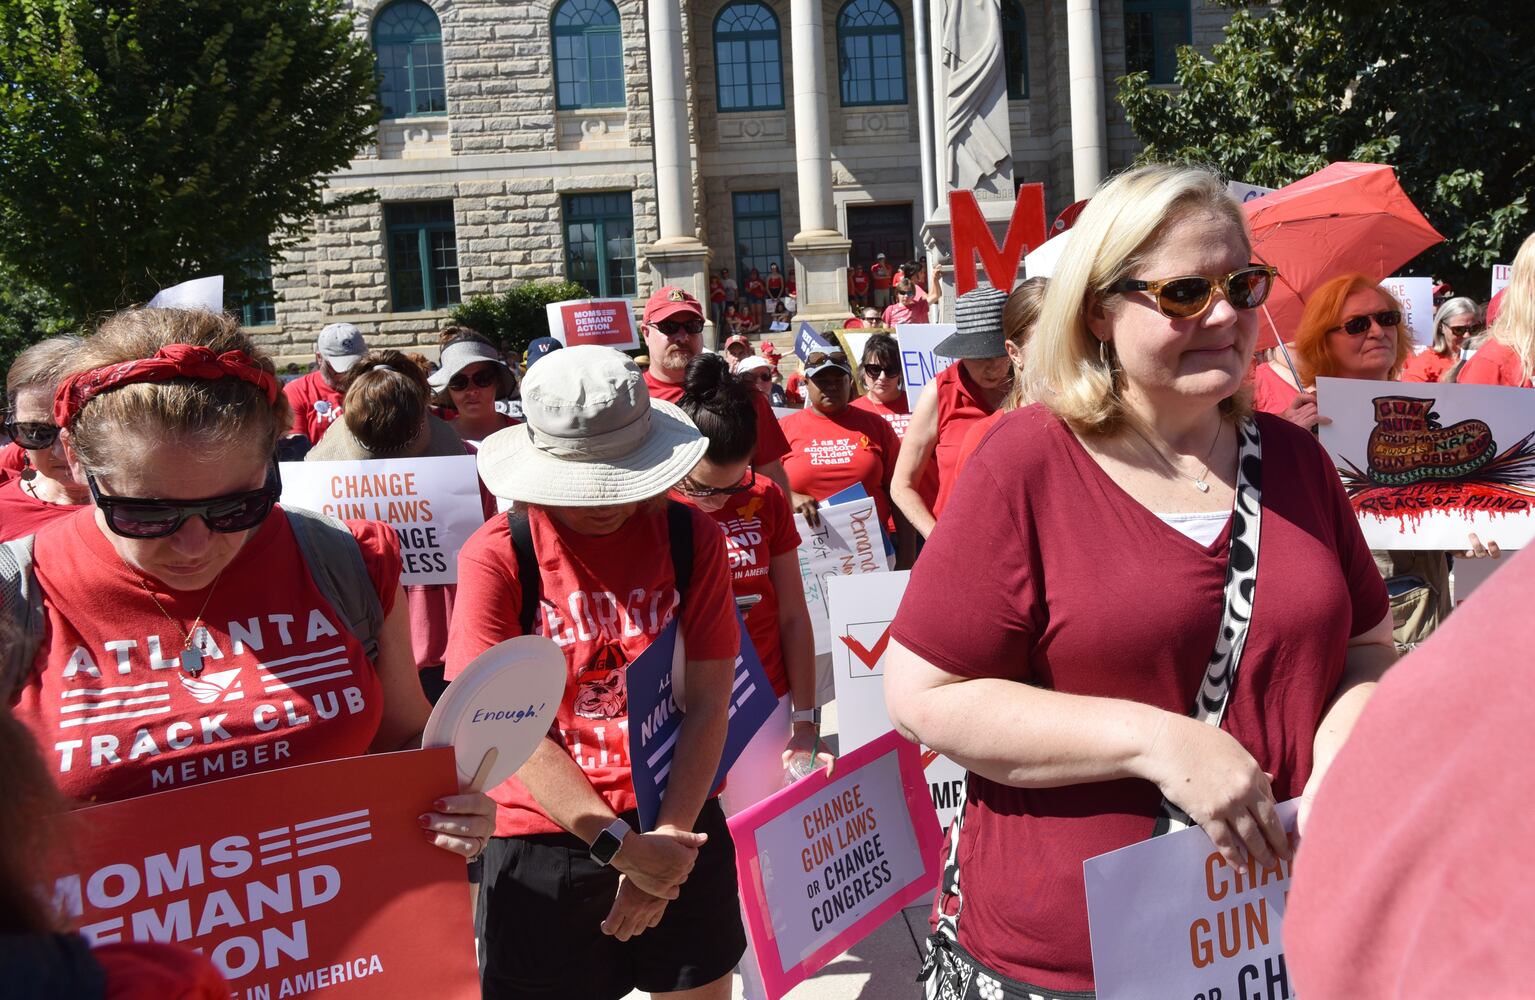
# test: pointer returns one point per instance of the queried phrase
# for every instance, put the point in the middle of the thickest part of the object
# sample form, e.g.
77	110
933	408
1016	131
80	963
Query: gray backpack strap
22	612
335	561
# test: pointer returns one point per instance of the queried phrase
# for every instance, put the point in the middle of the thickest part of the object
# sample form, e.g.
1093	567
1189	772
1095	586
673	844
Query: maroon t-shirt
1044	571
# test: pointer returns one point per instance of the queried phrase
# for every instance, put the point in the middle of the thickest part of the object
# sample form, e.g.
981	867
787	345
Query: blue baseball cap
541	346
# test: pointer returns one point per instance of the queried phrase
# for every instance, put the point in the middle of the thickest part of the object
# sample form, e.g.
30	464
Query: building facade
620	146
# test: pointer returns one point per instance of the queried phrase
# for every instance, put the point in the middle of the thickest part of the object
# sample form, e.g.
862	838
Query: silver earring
1103	353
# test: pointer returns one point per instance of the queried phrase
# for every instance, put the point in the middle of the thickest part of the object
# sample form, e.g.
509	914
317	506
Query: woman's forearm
1367	663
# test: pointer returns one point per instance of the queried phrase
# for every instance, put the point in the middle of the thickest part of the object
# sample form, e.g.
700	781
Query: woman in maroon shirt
1058	628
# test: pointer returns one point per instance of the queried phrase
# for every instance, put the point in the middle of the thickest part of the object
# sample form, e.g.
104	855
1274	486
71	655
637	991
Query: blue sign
808	341
654	718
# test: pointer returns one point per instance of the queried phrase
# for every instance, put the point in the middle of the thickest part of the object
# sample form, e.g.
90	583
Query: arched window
407	40
1015	49
588	55
871	53
747	58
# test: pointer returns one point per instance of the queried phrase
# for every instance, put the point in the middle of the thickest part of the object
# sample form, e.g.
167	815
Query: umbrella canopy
1345	217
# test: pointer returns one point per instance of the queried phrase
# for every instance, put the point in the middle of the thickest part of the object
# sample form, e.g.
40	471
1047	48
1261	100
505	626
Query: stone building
622	145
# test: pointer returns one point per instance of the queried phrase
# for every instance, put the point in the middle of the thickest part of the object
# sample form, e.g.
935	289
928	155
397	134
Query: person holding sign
1072	604
674	331
1508	356
960	395
194	630
574	901
1455	322
45	490
469	379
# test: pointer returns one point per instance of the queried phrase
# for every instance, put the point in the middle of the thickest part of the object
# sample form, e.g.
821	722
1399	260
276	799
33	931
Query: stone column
819	249
1089	121
678	257
920	29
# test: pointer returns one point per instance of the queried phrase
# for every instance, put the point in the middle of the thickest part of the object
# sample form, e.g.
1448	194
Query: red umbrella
1345	217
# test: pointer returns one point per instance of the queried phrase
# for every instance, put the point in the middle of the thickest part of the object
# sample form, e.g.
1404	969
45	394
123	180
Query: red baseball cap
669	300
768	349
737	339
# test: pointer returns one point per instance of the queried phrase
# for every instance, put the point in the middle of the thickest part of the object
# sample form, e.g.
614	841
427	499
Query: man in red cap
674	335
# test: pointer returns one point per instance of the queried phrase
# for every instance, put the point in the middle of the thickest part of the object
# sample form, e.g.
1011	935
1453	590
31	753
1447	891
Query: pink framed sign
827	860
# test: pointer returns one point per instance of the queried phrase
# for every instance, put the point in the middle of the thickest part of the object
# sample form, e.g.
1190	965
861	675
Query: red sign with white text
604	322
306	881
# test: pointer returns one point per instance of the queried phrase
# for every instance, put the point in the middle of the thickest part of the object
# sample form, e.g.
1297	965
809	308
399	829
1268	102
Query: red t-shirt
960	404
1044	571
898	314
1271	393
1412	878
898	416
771	446
755	289
716	291
604	600
1427	366
829	454
1494	363
972	440
13	459
759	525
284	681
881	275
23	514
144	970
858	281
316	405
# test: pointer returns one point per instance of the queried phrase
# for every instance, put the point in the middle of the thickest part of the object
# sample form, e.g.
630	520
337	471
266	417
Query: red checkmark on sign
868	657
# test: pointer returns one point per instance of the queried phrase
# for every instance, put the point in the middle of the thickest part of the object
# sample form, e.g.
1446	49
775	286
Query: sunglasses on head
32	435
482	380
820	357
1355	325
1189	296
881	371
672	327
691	489
134	517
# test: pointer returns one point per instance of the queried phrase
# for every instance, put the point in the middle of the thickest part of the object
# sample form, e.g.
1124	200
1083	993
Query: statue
977	133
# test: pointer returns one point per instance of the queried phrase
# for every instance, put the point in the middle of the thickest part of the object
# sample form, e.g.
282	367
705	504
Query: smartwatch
605	848
810	715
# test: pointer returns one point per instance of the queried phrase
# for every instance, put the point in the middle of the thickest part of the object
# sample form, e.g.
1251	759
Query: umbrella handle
1279	339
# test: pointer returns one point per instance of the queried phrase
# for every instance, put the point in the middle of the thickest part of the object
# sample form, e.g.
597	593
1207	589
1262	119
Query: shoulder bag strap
21	603
679	529
527	568
335	561
1241	582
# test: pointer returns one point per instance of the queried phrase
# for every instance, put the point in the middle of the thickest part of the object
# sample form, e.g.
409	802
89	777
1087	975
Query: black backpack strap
679	528
21	607
527	568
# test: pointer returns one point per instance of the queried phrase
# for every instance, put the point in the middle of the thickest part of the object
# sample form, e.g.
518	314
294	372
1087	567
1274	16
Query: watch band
810	715
605	848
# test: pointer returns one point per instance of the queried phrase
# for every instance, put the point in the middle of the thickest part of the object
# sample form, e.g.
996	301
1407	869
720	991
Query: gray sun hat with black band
978	316
460	355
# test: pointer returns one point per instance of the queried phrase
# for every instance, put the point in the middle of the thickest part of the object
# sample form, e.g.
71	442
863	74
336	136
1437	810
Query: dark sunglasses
1189	296
819	357
880	371
133	517
672	327
1355	325
691	489
30	435
481	380
1466	331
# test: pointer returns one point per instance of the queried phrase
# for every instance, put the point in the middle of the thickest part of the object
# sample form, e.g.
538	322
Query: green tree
511	320
1438	89
27	314
144	142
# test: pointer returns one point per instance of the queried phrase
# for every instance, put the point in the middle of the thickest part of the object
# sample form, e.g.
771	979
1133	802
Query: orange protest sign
305	881
1025	231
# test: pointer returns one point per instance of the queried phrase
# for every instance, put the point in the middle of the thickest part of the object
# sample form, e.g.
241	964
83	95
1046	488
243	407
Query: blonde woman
1109	514
1508	356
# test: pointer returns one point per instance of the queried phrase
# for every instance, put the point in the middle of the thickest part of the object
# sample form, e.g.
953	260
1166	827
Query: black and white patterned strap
1241	581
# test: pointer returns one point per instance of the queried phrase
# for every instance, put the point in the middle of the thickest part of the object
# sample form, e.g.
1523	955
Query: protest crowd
1088	631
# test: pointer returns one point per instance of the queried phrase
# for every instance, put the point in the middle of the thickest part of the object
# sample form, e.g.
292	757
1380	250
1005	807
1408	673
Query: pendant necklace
191	658
1201	483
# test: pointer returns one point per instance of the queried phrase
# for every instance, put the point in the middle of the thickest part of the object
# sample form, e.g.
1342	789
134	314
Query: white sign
199	293
919	365
1417	298
1171	920
1247	192
1042	260
433	504
862	608
1427	464
847	542
603	322
1502	274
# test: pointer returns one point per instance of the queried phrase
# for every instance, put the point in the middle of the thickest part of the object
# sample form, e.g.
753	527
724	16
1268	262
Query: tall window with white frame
747	58
871	53
759	232
407	41
1154	29
599	243
588	55
423	255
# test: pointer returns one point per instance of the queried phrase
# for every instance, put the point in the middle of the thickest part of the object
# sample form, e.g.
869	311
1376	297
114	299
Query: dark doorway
880	229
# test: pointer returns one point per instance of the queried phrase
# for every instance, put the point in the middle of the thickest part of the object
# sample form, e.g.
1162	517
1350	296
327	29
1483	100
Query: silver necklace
1200	481
191	656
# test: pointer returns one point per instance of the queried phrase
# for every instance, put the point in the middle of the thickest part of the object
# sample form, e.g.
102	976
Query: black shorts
542	903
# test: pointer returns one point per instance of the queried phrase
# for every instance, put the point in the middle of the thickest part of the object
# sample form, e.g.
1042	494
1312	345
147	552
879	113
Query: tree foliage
27	314
511	320
1438	89
144	142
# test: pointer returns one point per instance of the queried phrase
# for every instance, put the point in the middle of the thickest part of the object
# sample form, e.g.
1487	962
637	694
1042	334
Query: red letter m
1025	231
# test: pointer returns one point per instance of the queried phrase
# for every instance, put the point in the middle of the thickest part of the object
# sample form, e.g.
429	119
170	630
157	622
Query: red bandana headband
171	361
